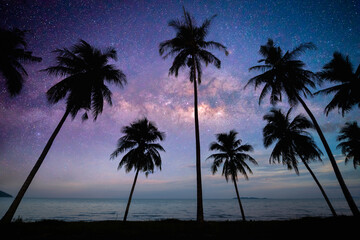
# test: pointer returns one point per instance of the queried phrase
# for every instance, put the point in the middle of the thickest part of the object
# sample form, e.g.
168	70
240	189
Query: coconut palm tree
347	91
191	50
143	153
85	70
12	54
349	139
282	74
292	141
233	156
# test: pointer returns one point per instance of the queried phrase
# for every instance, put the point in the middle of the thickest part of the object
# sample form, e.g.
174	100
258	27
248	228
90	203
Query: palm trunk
131	193
200	211
321	188
238	197
12	209
345	190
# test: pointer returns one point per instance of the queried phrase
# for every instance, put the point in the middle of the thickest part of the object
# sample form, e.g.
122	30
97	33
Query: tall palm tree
347	91
143	153
233	156
284	74
191	51
292	141
349	139
12	55
85	70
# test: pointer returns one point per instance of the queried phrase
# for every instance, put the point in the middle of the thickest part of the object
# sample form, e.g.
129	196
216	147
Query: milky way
78	164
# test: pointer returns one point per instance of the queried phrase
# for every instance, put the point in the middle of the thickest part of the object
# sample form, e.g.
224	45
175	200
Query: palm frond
301	49
300	122
180	61
59	90
208	58
14	79
61	71
204	28
262	68
349	139
245	148
214	45
84	117
329	90
13	55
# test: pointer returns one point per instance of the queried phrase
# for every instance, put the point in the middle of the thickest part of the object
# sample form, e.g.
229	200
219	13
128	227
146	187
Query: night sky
78	163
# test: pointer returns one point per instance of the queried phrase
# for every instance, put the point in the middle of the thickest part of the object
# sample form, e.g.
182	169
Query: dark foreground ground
306	228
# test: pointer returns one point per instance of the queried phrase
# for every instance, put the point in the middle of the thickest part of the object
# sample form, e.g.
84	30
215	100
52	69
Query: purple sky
78	163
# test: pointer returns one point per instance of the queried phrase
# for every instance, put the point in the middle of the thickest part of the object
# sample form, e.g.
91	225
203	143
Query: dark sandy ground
305	228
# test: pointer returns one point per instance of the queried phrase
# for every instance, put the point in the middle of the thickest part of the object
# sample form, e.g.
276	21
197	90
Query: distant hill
249	198
4	194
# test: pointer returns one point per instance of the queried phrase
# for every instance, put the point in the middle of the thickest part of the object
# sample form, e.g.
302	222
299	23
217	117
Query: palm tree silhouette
291	141
139	140
283	73
340	70
190	49
349	139
85	69
232	155
12	55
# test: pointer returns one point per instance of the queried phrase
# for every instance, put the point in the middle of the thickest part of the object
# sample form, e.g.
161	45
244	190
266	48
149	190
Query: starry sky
78	163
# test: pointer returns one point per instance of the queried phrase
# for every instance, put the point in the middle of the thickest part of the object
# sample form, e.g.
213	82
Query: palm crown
12	54
139	139
292	140
86	70
340	70
190	46
282	73
231	153
349	139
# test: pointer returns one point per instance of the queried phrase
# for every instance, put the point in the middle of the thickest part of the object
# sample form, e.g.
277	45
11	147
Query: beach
310	228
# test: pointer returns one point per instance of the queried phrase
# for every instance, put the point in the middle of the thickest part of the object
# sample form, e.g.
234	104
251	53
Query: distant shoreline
250	198
5	195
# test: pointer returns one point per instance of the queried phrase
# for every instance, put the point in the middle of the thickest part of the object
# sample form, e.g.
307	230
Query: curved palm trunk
238	197
12	209
321	188
200	211
345	190
131	193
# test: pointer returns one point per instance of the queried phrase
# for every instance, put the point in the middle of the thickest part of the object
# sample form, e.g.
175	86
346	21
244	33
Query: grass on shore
310	228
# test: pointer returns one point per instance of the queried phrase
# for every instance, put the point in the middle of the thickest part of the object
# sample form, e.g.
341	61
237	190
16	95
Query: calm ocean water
34	209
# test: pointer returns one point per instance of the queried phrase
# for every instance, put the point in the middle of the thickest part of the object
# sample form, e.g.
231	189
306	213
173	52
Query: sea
65	209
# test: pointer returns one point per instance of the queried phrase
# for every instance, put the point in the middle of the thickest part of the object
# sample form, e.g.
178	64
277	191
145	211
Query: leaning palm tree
191	51
292	141
85	70
285	74
232	155
12	54
349	139
143	153
347	91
